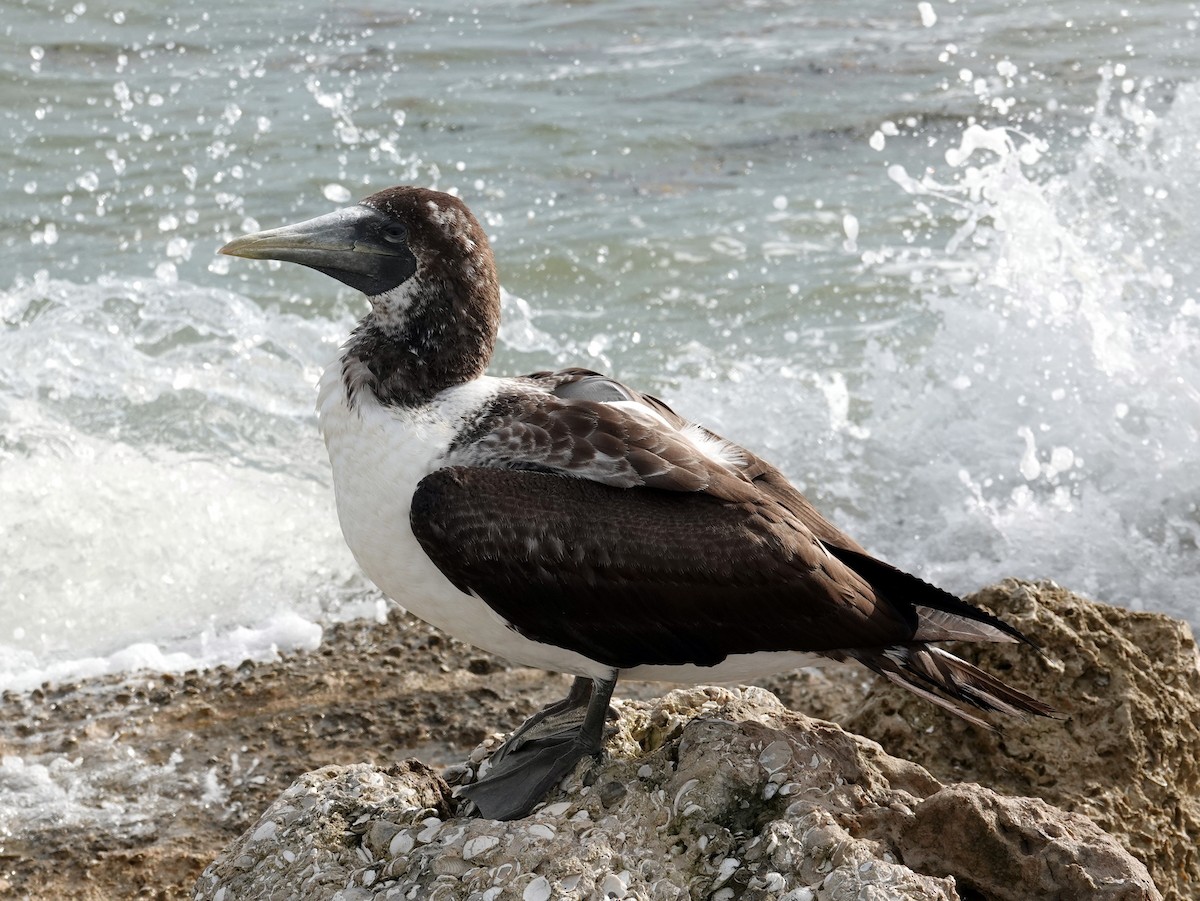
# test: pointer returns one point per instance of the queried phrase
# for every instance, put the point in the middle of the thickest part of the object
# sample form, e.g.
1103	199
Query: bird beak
345	244
327	240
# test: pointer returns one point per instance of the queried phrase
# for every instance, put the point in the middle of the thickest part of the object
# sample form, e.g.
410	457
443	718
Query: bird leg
543	750
550	720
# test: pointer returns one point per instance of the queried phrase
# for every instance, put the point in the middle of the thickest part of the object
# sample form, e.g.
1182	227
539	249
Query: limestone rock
1126	754
705	793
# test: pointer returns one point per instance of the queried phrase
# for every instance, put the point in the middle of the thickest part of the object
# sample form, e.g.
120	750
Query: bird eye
395	233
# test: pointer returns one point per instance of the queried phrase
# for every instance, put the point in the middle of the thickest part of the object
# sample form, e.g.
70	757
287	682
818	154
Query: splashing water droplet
850	227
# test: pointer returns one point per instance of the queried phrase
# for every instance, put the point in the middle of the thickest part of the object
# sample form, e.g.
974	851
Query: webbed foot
543	751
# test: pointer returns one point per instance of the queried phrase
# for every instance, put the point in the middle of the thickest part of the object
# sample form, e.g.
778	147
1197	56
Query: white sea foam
158	508
113	790
1047	425
21	669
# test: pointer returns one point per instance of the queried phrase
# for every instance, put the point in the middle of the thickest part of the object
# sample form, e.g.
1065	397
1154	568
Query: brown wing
642	576
589	428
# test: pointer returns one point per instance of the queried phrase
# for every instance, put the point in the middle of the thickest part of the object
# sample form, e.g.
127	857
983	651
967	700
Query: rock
992	837
1126	754
727	794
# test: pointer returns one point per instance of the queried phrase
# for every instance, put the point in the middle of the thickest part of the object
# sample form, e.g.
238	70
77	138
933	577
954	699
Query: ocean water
936	260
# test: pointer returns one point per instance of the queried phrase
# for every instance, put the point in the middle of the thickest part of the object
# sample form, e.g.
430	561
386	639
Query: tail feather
941	625
937	615
950	683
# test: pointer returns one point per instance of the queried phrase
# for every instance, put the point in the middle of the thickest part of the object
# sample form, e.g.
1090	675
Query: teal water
935	260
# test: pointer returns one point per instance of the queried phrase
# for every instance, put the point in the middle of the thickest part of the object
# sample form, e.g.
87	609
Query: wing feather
599	430
637	576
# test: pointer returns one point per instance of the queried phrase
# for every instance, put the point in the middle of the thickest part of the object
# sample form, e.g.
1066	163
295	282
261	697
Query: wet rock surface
140	783
1126	753
727	794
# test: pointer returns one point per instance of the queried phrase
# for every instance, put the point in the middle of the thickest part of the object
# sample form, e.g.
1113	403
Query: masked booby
564	520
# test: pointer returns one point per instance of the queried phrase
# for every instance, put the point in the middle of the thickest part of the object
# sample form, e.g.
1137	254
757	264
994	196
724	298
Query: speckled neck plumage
410	365
438	329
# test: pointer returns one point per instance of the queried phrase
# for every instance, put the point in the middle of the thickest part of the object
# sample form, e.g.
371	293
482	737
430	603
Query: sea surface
936	260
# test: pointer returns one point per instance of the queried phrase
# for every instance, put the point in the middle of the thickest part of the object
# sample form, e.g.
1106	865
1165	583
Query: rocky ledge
706	793
722	794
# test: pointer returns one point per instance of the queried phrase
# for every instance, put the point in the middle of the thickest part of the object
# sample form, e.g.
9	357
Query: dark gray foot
562	718
543	751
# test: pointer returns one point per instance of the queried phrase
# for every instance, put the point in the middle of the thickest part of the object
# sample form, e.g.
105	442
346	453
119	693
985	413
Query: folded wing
630	577
595	518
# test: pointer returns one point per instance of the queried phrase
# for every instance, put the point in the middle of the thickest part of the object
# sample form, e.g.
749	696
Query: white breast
379	454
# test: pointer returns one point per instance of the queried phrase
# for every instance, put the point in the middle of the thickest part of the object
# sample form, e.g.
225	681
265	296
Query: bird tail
952	684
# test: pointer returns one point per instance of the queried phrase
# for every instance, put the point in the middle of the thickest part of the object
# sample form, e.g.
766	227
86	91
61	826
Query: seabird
566	521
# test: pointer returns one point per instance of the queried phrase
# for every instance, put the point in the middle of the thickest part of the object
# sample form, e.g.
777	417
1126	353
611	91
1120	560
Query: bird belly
734	668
